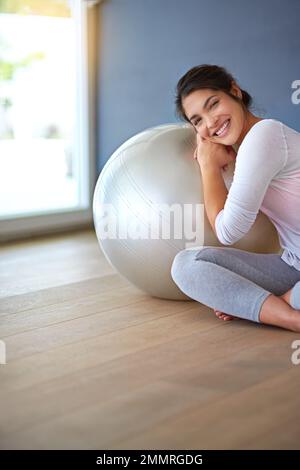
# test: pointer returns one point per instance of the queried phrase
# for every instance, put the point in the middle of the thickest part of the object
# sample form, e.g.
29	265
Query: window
46	168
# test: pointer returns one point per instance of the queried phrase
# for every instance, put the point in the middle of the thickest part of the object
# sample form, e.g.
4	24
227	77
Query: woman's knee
211	254
181	264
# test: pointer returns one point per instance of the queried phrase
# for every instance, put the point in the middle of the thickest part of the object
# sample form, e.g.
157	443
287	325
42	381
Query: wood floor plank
72	292
244	421
94	324
124	404
93	362
73	351
50	263
61	312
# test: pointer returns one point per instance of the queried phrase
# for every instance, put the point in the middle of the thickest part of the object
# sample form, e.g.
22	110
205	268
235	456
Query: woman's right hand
212	153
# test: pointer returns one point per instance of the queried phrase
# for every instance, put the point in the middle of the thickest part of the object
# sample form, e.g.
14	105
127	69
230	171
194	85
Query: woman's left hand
210	153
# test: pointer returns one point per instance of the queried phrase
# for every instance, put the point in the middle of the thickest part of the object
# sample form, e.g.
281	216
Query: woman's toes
223	316
218	314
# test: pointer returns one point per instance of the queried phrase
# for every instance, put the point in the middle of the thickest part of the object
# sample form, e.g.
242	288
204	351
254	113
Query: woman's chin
231	140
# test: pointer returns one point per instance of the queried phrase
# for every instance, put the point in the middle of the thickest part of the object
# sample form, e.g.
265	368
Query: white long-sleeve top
266	178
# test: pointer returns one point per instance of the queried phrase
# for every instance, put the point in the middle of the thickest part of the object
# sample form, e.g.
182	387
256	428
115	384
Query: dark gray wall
145	46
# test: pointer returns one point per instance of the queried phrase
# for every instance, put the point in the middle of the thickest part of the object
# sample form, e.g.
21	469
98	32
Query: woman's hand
211	153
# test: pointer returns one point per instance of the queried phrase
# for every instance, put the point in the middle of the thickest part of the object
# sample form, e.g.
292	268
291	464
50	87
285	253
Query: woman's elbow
228	238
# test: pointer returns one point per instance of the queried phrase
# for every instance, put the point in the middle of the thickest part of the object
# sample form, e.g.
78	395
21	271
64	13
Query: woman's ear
235	90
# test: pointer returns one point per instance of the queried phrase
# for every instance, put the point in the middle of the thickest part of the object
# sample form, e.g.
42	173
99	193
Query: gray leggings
234	281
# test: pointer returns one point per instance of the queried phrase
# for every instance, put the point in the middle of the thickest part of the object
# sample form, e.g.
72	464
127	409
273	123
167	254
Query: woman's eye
198	120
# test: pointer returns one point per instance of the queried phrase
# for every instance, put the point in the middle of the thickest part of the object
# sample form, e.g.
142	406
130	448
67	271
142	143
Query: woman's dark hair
207	76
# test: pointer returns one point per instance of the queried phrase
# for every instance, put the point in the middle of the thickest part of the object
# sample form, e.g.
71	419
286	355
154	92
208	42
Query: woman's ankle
296	321
276	311
286	296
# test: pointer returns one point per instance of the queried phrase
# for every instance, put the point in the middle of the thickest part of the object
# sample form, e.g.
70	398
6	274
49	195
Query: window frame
59	220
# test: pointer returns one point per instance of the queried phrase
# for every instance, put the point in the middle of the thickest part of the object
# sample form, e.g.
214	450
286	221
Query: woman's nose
211	125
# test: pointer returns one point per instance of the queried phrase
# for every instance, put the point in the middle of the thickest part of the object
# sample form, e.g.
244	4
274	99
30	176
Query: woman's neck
249	122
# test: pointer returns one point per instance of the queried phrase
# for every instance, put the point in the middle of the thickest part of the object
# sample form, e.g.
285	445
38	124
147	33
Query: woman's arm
214	192
261	156
212	158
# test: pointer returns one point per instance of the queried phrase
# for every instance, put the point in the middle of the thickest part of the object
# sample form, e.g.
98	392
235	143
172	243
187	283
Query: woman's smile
223	130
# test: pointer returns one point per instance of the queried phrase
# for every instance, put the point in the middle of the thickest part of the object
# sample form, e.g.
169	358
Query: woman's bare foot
225	316
276	311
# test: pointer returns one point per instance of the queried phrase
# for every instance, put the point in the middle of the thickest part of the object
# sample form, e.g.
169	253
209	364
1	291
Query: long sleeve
262	154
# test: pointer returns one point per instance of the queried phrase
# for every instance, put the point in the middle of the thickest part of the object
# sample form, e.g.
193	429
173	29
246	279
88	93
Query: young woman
264	288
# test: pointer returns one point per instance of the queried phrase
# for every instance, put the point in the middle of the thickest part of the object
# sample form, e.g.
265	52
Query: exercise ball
151	170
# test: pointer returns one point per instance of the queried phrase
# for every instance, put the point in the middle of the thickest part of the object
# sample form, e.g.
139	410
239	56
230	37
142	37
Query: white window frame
58	220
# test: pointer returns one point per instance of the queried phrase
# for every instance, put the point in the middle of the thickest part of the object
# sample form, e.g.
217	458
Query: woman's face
209	110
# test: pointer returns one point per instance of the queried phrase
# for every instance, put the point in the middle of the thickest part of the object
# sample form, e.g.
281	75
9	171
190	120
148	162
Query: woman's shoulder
265	130
265	138
270	134
270	124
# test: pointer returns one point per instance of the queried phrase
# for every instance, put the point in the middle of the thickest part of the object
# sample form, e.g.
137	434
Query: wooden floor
92	362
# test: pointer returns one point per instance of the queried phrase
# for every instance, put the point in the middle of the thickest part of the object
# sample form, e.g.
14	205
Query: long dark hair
207	76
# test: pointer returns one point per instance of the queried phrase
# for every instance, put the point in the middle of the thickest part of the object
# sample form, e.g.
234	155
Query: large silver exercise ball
151	169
